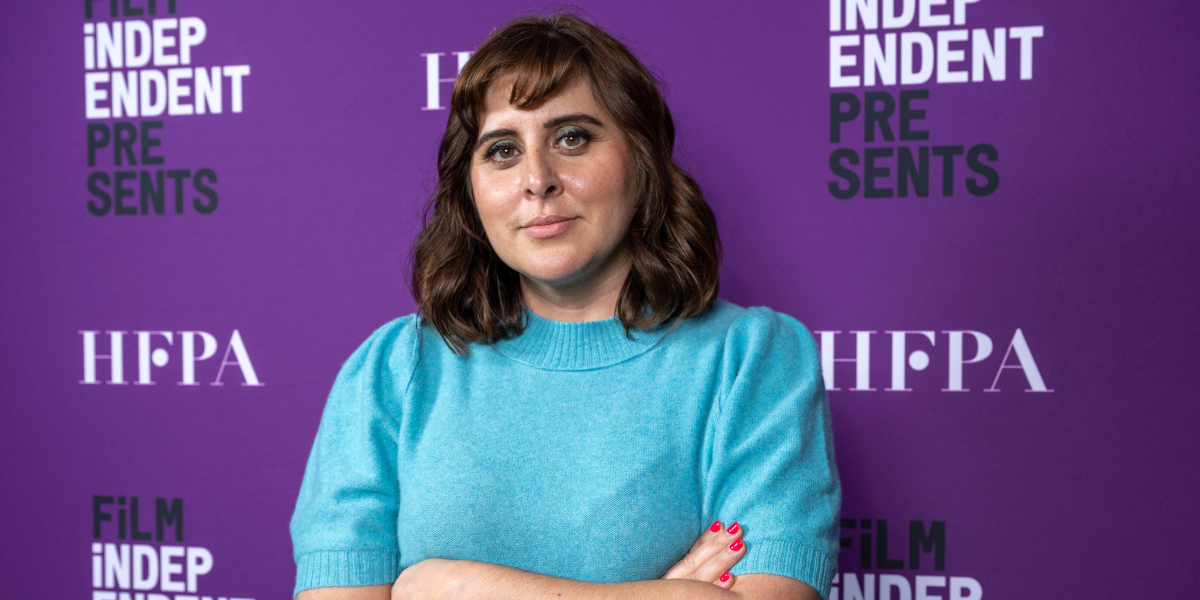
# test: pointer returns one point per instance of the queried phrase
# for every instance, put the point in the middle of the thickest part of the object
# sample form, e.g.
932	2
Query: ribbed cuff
346	568
789	559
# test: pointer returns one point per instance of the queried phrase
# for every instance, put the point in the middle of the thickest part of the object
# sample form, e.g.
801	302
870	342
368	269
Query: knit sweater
574	450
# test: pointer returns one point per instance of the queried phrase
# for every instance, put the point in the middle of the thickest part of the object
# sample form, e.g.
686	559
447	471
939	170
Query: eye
502	151
573	138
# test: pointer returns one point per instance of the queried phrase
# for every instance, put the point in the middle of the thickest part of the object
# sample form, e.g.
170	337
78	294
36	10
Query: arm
703	573
465	580
772	460
511	583
365	592
344	526
707	563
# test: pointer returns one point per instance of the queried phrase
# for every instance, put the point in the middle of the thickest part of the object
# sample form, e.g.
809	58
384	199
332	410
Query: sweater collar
562	346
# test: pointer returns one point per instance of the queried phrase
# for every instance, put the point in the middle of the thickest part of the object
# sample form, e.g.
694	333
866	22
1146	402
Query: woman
574	406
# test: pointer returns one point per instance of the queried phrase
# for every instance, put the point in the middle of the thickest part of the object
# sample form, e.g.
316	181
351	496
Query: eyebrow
575	118
491	135
552	123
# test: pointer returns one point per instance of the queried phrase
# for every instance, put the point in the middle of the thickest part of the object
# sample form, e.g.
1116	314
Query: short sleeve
772	463
344	526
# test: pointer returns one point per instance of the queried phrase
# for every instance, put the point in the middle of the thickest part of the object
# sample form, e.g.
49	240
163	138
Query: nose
541	178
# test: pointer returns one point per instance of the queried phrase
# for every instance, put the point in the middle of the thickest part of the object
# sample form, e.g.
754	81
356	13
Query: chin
552	277
554	272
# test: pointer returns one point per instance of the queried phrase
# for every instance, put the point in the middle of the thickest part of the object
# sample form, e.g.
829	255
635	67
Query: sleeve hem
789	559
346	568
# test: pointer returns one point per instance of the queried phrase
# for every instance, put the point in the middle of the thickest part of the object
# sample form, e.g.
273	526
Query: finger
688	564
708	534
713	543
725	580
718	565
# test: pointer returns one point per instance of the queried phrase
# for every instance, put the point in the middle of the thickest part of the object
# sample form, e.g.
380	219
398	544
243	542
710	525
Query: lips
548	226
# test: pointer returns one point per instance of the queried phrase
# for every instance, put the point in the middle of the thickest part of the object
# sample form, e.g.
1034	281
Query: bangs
540	64
539	77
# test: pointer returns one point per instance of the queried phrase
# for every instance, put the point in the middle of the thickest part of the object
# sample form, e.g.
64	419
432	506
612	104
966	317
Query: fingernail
735	546
716	526
732	528
725	577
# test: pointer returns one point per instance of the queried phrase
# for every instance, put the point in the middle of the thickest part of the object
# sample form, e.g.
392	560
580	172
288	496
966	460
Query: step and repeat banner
985	210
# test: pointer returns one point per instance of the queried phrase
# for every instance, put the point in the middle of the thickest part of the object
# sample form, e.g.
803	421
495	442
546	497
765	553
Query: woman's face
554	186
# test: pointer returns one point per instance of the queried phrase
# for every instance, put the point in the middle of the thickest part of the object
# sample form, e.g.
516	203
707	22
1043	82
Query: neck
592	298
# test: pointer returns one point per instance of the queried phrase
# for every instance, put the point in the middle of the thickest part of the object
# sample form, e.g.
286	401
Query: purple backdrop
1087	248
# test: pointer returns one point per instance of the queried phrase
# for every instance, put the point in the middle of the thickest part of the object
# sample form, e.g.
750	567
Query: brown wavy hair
459	283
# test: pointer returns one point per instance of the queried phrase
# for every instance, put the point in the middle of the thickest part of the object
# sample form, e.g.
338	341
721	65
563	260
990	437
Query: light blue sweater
573	451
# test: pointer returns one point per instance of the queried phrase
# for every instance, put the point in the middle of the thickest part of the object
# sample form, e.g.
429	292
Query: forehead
574	95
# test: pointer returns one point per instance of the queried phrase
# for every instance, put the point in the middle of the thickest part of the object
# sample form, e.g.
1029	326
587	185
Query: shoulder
758	343
394	340
390	352
748	328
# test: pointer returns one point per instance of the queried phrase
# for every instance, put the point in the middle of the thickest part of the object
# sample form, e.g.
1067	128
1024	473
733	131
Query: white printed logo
918	360
434	79
149	358
118	86
915	56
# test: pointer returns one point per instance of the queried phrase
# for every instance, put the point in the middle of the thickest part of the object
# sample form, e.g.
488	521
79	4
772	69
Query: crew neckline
564	346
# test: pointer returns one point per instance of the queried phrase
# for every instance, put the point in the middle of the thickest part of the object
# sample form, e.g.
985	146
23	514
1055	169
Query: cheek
623	191
490	202
611	187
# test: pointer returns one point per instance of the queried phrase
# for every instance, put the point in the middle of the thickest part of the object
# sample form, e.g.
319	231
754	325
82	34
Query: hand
430	579
711	557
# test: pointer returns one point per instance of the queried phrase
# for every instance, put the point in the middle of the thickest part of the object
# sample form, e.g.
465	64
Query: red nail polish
732	528
725	577
716	526
735	546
